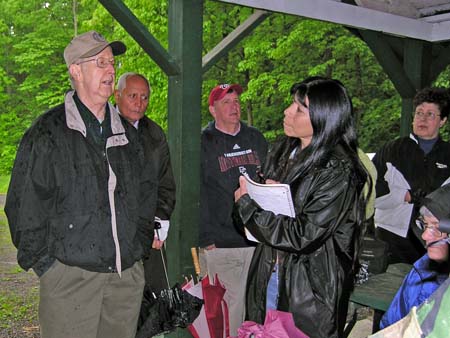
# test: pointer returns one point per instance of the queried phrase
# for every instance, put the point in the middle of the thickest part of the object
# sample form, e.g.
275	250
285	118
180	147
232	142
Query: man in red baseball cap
225	107
229	148
219	91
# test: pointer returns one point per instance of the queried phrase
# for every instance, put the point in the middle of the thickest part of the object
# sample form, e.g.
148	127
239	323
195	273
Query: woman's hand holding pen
242	190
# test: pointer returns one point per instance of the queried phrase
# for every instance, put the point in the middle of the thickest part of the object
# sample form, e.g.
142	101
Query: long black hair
334	125
332	120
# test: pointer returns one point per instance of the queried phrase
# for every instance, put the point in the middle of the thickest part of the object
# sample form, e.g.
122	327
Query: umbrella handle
195	260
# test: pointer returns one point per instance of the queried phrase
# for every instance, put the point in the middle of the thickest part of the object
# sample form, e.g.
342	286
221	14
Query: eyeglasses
100	61
429	115
134	96
432	228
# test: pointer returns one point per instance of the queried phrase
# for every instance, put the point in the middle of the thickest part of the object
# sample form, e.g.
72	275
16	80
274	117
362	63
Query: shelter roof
427	20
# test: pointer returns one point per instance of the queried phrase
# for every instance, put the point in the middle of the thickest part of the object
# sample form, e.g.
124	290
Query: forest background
282	50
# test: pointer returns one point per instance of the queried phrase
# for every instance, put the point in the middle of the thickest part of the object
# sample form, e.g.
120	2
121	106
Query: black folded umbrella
164	312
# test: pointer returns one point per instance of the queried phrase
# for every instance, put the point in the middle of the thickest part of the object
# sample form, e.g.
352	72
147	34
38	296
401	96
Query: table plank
378	292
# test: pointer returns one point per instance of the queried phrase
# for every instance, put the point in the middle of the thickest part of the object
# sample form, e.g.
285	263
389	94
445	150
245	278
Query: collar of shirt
98	131
135	124
226	132
426	145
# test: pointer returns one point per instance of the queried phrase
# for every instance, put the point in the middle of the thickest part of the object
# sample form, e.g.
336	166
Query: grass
18	296
4	182
15	307
5	237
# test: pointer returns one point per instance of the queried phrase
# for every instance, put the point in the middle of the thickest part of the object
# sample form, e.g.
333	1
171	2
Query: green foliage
372	137
282	50
286	49
11	131
4	183
33	35
443	80
12	308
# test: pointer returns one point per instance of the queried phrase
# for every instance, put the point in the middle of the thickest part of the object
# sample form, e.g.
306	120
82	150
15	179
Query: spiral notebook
272	197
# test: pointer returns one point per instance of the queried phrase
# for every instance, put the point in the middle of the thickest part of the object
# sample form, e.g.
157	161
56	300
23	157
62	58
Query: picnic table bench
377	293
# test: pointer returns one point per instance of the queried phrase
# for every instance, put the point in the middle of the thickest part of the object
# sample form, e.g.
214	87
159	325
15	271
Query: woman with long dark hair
314	254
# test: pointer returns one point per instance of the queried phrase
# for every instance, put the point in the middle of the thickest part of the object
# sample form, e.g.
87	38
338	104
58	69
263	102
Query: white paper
392	213
162	233
272	197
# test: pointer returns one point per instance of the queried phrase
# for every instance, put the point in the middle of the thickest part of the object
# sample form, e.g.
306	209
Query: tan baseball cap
89	44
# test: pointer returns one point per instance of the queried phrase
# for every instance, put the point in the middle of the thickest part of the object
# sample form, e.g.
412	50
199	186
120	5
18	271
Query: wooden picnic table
377	293
379	290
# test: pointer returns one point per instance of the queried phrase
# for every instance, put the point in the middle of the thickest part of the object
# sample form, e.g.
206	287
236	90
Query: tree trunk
249	106
75	18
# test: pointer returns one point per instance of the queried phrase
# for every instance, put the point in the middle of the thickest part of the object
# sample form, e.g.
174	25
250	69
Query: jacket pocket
321	279
79	239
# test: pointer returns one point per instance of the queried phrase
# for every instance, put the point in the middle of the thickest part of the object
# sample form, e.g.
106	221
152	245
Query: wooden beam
417	62
416	65
400	7
406	117
184	105
392	65
432	10
142	36
354	16
440	62
233	39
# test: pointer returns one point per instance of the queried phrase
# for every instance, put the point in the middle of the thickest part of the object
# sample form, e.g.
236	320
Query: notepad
272	197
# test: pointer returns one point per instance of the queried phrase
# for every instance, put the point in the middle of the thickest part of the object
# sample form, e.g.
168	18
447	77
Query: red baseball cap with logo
219	91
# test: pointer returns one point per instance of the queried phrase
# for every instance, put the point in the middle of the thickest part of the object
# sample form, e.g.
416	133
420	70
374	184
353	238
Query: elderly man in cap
229	148
77	205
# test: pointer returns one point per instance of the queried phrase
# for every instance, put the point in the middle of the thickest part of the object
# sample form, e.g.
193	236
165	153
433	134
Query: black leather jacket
315	249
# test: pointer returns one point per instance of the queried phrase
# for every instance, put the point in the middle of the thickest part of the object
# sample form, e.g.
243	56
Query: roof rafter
355	16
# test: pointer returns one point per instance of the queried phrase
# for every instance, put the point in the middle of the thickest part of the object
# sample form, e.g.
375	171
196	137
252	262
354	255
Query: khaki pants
231	265
75	303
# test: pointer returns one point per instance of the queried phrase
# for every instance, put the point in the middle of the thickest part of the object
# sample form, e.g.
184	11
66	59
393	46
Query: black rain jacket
315	249
60	201
157	162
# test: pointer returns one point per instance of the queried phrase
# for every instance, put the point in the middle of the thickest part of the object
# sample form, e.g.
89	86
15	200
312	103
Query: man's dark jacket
61	201
157	161
153	140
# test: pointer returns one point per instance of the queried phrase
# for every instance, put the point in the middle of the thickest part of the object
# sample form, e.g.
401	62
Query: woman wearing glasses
430	271
409	168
